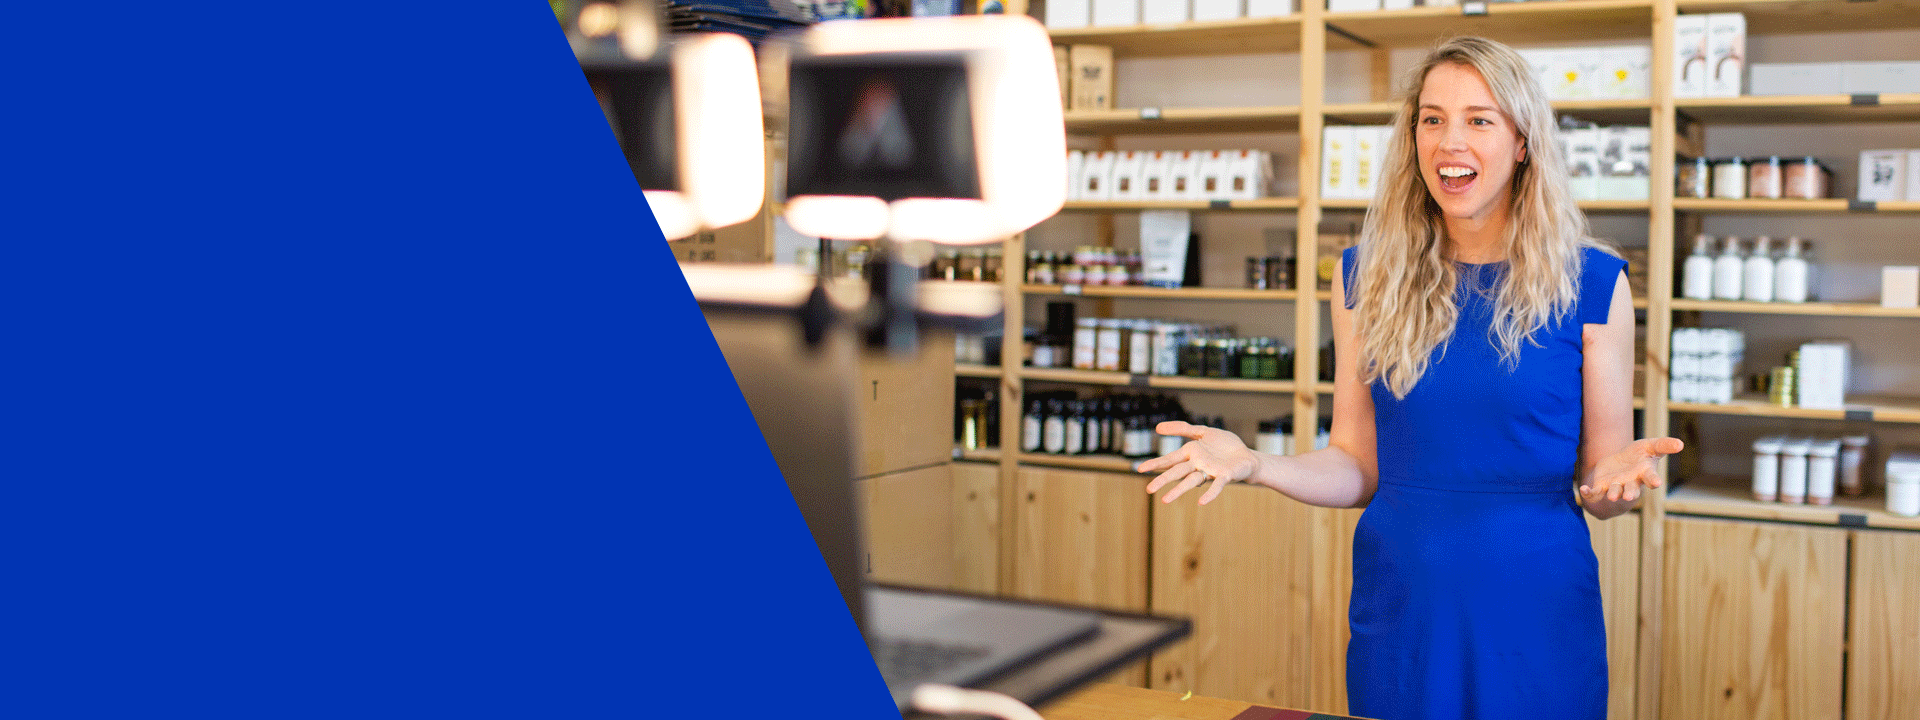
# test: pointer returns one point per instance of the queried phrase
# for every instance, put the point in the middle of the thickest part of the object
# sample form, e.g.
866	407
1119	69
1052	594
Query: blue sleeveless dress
1476	594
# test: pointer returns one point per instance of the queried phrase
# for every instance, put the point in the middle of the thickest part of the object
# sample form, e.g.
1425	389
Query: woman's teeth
1456	177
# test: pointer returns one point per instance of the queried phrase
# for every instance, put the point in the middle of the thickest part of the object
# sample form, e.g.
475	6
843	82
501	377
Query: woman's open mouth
1455	177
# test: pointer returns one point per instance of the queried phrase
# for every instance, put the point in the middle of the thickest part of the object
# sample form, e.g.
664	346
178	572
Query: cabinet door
1081	538
1333	595
910	538
905	408
1616	543
976	527
1753	622
1883	662
1241	568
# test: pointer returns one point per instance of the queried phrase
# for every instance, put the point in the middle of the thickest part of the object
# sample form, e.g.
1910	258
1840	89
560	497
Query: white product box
1880	77
1064	68
1212	174
1625	160
1913	171
1163	246
1096	177
1583	161
1352	5
1218	9
1683	384
1396	4
1367	153
1246	175
1128	167
1575	74
1153	175
1183	176
1883	175
1441	3
1165	11
1269	8
1624	73
1116	12
1794	78
1690	64
1069	13
1900	286
1336	162
1822	375
1726	54
1076	169
1541	61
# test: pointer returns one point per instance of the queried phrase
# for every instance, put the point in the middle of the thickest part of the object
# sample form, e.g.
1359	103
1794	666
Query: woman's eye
1482	121
1430	120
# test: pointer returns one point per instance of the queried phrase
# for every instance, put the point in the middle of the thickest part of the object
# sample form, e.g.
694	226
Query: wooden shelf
1781	308
986	455
1811	207
1278	203
1513	23
1593	206
1218	37
1323	388
1158	382
1721	497
1175	121
1862	408
1769	17
1609	112
976	371
1797	109
1112	463
1157	293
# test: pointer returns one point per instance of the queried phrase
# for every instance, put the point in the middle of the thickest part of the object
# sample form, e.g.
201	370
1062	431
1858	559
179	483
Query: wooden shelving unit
1592	206
1781	308
1280	203
1158	382
1109	463
1173	121
1804	207
1723	497
1516	23
1139	291
1797	109
1859	408
1608	111
1774	17
976	371
1221	37
986	455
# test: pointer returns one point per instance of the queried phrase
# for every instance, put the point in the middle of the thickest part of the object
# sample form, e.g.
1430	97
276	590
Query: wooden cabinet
1883	658
1753	621
905	408
976	527
1616	543
911	524
1081	538
1241	569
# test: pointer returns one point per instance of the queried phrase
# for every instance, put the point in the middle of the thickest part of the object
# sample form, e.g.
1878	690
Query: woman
1483	379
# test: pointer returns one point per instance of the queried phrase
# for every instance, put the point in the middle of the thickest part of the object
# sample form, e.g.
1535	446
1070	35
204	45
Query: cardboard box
1794	78
1183	176
1064	68
1092	77
1218	9
1076	170
1246	175
1069	13
1690	64
1625	73
1127	169
1269	8
1116	12
1883	175
1153	12
1626	156
1726	54
1880	77
1153	175
1336	162
906	407
1096	180
1212	174
1900	286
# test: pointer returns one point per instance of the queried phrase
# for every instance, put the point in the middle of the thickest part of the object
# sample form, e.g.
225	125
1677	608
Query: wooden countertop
1119	702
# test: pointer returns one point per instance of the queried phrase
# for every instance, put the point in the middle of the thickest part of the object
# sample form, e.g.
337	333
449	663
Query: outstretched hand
1212	455
1620	476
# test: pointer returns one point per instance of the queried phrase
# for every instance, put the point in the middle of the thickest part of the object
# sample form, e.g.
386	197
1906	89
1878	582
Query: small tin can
1780	386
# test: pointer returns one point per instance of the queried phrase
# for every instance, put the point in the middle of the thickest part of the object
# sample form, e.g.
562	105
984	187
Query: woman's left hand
1619	477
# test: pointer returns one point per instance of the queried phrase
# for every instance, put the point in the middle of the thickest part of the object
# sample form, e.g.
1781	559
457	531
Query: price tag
1137	380
1866	98
1861	414
1853	520
1473	8
1220	204
1862	205
1070	289
1149	113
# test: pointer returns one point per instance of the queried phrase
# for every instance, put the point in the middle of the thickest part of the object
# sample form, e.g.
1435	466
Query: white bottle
1790	274
1822	471
1766	468
1697	272
1853	460
1759	281
1793	469
1728	271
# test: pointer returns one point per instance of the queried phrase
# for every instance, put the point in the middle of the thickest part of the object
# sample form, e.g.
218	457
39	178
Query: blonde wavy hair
1403	303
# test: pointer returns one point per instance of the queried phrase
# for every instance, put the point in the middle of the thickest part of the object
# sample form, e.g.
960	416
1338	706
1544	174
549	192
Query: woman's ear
1522	155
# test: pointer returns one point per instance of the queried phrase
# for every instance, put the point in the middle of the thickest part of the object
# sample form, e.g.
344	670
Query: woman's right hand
1211	455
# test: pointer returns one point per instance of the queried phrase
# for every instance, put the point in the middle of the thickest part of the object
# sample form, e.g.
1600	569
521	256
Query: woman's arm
1342	475
1613	466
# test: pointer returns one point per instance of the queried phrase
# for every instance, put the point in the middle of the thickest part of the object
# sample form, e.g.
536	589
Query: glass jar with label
1766	178
1691	178
1730	178
1806	179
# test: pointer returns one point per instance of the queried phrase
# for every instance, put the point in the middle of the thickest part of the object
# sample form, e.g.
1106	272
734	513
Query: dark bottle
1096	428
1076	429
1193	358
1283	362
1117	410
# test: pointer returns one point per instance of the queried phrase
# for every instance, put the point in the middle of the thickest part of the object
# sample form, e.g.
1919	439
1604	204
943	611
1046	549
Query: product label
1076	437
1056	435
1107	351
1030	433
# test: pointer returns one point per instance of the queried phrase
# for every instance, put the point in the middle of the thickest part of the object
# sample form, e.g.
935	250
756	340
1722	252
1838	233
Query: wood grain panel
1883	662
1616	543
1082	539
910	538
1241	568
1333	592
1752	620
976	527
